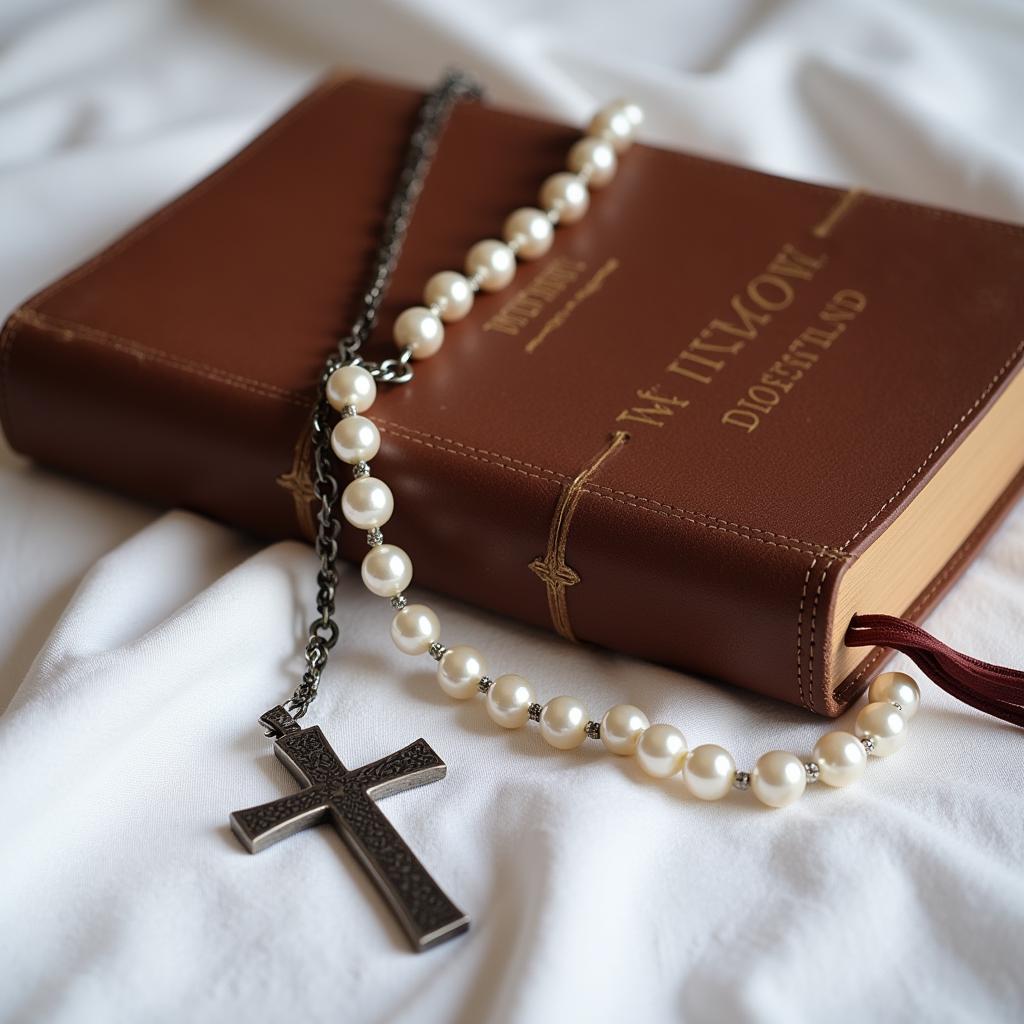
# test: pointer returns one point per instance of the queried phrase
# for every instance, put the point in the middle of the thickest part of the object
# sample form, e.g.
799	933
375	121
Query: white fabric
594	893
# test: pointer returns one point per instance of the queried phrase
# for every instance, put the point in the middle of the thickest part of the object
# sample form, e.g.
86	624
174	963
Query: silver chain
433	115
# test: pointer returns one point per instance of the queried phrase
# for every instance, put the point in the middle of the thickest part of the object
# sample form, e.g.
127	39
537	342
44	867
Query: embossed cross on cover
349	798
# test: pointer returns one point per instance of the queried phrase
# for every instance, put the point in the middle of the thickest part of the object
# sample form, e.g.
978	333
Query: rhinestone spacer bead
349	410
437	650
374	537
812	770
361	469
486	682
593	730
741	780
867	743
535	710
399	601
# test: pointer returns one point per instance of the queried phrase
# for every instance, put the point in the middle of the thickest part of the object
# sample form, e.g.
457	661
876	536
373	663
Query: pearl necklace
709	771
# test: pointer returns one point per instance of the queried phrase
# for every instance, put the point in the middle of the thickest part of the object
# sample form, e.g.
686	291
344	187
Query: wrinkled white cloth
138	647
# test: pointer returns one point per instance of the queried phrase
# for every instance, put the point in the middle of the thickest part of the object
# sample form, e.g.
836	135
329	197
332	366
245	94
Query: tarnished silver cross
349	798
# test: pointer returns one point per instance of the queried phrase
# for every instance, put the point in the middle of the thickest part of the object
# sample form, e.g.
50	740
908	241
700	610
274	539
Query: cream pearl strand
527	233
709	771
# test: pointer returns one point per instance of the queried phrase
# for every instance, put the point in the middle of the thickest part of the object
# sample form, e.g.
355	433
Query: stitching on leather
477	455
95	336
391	429
942	441
403	431
240	159
814	629
726	522
561	477
706	526
800	633
870	662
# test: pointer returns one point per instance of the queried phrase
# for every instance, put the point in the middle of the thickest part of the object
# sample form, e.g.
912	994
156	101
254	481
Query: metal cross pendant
349	798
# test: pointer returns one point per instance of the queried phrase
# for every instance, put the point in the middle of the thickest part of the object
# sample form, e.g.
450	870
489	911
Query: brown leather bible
725	412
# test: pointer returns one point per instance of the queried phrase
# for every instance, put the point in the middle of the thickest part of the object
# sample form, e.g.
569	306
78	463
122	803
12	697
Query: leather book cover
680	434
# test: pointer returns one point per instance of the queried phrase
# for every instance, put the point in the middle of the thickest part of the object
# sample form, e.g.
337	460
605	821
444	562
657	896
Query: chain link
433	115
455	86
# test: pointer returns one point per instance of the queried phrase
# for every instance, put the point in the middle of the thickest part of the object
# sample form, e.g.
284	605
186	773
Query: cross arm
261	826
414	765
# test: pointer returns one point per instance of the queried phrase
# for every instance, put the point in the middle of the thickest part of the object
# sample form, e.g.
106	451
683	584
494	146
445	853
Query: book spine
555	549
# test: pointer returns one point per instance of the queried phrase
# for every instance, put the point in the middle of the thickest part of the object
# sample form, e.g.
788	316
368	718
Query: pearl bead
367	503
418	330
621	728
508	701
386	570
778	778
355	439
494	261
351	386
460	670
567	194
896	688
885	725
595	158
617	122
532	230
709	772
563	722
634	112
840	757
661	750
414	629
451	293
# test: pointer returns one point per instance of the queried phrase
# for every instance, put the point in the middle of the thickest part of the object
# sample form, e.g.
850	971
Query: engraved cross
349	798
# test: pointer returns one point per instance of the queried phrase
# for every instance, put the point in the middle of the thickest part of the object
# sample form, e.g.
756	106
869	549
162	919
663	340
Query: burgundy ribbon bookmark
991	688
